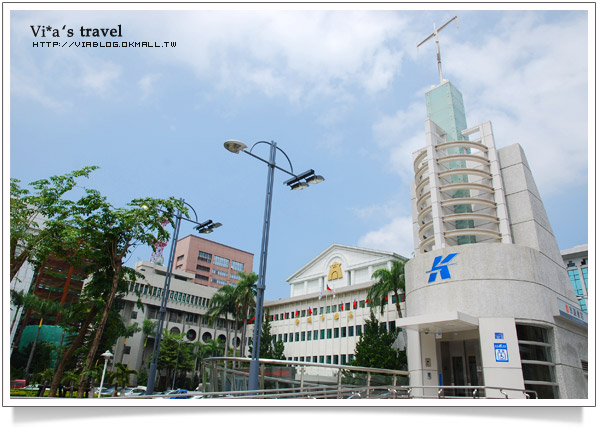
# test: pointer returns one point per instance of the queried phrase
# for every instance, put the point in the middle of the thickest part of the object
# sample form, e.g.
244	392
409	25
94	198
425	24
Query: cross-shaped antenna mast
437	43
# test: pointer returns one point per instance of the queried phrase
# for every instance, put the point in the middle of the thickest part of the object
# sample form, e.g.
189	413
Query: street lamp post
107	356
297	182
205	227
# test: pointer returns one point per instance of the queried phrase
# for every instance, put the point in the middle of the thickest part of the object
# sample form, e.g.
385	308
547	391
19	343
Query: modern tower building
488	300
576	262
213	264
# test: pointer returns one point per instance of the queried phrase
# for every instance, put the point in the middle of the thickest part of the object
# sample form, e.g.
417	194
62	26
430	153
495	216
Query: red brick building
212	263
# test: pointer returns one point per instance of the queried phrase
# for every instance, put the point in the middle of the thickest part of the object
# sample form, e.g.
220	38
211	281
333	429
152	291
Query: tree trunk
17	262
69	353
37	334
100	329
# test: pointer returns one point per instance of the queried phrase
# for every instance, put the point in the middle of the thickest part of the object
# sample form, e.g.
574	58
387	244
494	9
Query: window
134	315
334	308
201	277
202	268
321	310
328	309
322	333
321	359
351	330
383	326
285	337
279	337
316	334
237	266
308	335
347	306
219	272
219	281
303	336
314	359
392	326
297	336
362	304
127	349
303	313
343	331
204	256
308	359
221	261
336	332
329	359
328	333
234	276
536	360
179	258
335	359
358	330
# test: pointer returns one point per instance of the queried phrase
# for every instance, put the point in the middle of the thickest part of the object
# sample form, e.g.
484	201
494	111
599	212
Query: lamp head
107	355
235	146
315	179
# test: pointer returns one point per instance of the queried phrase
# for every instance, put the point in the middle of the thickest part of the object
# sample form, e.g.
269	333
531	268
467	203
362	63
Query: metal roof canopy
445	322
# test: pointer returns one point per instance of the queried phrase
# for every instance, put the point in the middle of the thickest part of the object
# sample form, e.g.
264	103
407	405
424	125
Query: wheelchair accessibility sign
501	352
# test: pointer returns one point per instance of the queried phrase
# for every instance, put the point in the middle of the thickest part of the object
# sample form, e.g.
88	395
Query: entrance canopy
443	322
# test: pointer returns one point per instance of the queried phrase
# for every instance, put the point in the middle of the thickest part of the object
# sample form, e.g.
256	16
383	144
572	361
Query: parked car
18	383
176	393
134	391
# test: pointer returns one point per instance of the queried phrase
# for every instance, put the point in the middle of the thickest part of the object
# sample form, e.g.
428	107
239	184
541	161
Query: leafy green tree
270	347
43	308
114	233
388	282
375	347
30	241
174	355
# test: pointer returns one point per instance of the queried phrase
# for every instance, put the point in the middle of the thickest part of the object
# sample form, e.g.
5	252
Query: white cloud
530	80
396	236
147	84
298	54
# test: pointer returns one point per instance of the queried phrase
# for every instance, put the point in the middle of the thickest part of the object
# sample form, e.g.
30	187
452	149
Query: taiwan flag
341	306
310	311
328	289
354	304
297	312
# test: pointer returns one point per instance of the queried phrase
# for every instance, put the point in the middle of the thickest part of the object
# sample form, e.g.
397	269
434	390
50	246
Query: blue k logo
441	266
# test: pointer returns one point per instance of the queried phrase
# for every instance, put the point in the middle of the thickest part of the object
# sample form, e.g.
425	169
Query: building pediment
337	259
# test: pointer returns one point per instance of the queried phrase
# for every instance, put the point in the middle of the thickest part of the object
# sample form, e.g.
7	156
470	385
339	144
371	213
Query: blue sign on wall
501	352
441	266
499	335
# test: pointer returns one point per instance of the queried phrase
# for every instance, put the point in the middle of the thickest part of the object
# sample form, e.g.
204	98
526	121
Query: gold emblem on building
322	317
335	271
350	315
297	321
336	316
309	319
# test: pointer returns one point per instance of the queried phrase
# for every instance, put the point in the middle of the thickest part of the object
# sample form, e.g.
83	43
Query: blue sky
340	91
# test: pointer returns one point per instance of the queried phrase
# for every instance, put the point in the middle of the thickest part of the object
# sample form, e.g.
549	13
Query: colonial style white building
322	320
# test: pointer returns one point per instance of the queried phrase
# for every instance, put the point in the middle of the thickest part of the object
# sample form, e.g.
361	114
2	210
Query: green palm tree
389	281
245	296
43	378
121	375
70	378
17	300
223	303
